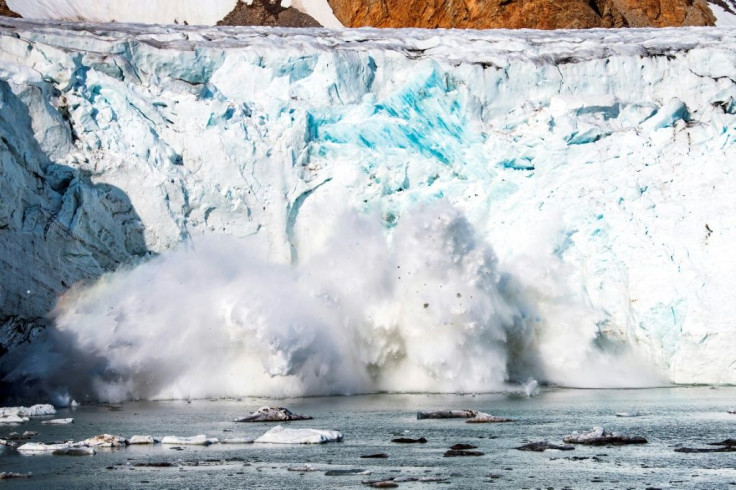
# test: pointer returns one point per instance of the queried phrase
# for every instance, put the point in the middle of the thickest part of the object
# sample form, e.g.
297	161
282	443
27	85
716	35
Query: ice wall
588	173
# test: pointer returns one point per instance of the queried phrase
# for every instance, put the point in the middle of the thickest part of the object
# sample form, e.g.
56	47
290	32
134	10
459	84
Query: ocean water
670	417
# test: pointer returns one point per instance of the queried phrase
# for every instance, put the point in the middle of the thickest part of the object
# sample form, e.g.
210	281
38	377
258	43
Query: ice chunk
74	451
447	414
543	446
32	411
272	414
58	421
200	440
13	419
141	440
236	440
486	418
281	435
599	437
105	440
39	447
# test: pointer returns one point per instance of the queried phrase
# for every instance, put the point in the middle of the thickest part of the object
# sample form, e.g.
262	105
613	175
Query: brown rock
535	14
5	11
266	13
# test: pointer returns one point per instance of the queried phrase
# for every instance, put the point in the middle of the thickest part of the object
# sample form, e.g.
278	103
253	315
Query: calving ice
276	212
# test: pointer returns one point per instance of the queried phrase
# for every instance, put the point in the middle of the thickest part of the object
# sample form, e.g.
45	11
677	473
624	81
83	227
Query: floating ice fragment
486	418
272	414
13	419
281	435
447	414
200	440
599	437
141	440
74	451
543	446
105	440
58	421
236	440
40	448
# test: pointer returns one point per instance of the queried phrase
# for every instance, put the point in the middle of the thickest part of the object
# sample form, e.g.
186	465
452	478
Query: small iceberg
13	419
74	451
447	414
542	446
58	421
486	418
200	440
272	414
136	440
599	437
628	414
281	435
41	448
236	440
105	440
32	411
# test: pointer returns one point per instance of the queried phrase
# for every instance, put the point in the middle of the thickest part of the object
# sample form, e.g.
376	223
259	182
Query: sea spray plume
413	309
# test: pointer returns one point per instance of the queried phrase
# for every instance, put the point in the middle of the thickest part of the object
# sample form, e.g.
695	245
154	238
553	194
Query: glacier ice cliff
362	209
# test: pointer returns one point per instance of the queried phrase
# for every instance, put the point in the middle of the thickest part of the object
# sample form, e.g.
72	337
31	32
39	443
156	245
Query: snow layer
193	12
369	210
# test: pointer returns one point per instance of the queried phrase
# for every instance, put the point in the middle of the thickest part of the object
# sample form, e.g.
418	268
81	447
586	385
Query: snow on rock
272	414
200	440
281	435
552	205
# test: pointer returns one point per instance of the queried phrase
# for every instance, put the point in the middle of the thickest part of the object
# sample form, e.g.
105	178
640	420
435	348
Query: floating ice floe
302	469
281	435
105	440
10	475
74	451
32	411
486	418
272	414
142	440
447	414
200	440
628	414
58	421
41	448
543	446
13	419
599	437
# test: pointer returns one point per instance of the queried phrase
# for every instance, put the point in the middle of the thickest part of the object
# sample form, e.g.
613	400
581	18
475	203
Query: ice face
560	202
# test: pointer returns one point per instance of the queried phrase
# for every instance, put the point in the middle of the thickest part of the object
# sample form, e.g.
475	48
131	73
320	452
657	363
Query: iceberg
281	435
33	411
441	211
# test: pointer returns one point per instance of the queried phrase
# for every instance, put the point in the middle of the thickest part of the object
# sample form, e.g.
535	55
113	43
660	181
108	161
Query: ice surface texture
436	211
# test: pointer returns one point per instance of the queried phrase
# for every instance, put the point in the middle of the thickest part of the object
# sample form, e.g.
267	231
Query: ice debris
543	446
32	411
486	418
200	440
11	476
41	448
142	440
105	440
281	435
58	421
446	414
599	437
272	414
13	419
74	451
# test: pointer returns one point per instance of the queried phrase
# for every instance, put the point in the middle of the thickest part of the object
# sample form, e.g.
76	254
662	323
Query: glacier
230	211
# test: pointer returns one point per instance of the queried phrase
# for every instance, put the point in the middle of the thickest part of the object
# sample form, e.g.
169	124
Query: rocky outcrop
267	13
536	14
5	11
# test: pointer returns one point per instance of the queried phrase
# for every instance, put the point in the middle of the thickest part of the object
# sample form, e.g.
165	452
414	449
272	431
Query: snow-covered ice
41	448
58	421
272	414
200	440
283	435
441	211
104	440
33	411
141	440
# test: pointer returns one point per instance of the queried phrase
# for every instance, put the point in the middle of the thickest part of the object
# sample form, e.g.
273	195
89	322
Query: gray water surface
671	417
